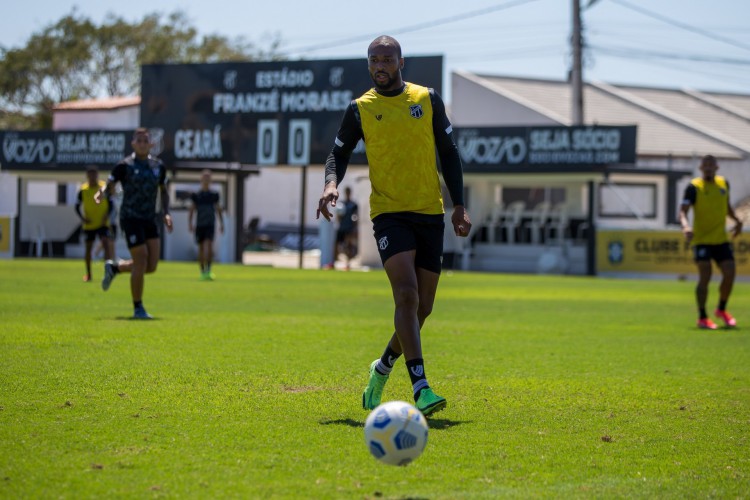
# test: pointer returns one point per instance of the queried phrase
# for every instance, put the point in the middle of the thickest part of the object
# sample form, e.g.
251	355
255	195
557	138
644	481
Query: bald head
385	63
386	42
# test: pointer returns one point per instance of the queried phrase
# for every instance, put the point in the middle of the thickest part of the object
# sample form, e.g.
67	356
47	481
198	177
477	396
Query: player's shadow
130	318
342	421
434	423
445	423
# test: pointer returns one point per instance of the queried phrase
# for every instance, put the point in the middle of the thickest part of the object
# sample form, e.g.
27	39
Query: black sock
702	313
115	268
388	358
415	367
722	305
137	304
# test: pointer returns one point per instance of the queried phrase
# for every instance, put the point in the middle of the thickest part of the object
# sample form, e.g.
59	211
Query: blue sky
527	38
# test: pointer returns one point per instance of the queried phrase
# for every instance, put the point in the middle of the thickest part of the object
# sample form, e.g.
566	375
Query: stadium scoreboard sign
545	149
260	113
62	150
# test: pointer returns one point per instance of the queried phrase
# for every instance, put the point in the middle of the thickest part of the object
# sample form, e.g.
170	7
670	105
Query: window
627	200
533	195
42	193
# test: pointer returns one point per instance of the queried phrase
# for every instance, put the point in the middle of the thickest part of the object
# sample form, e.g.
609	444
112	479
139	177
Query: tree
75	59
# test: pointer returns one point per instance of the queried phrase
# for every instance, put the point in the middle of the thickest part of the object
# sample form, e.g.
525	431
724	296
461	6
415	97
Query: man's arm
450	164
79	201
737	229
219	215
349	134
164	195
117	175
191	210
688	200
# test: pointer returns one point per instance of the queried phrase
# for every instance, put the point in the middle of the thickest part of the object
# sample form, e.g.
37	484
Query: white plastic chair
493	221
559	222
512	220
37	244
538	221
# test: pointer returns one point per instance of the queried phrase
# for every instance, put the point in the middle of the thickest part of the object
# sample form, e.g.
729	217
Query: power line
681	25
414	27
640	53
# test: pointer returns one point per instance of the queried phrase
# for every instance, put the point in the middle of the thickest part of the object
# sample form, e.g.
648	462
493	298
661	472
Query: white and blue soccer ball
396	433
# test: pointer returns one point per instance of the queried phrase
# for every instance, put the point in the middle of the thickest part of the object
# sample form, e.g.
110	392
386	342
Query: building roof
679	122
99	104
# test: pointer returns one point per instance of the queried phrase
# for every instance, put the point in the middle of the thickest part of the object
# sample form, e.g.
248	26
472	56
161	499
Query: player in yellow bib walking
402	125
708	195
95	217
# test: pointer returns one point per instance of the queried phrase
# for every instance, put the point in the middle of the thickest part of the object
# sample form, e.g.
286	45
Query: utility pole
576	72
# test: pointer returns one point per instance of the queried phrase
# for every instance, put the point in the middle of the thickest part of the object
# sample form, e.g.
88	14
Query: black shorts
203	233
719	253
101	232
404	231
137	231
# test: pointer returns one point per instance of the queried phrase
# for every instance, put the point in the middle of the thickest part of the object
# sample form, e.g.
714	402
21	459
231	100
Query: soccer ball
396	433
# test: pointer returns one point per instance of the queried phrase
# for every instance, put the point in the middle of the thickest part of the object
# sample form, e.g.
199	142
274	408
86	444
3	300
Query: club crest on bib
416	111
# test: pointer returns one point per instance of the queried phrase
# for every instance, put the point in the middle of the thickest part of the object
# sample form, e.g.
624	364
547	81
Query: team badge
615	252
416	111
383	243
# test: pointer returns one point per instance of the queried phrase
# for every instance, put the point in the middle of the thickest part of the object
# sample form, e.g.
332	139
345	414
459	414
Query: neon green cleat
374	390
429	402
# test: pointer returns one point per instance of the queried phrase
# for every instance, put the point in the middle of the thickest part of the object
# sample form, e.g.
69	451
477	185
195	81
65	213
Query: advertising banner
5	234
544	149
264	113
659	252
63	150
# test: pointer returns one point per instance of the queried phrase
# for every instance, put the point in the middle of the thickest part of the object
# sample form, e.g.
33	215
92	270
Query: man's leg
410	286
402	276
208	252
107	246
728	272
201	257
403	279
87	259
136	266
701	293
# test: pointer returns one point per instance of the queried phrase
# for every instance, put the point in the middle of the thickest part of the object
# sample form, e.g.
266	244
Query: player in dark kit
143	179
346	235
206	204
402	124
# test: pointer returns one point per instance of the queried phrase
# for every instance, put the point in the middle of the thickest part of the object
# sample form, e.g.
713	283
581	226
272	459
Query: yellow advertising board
660	252
5	235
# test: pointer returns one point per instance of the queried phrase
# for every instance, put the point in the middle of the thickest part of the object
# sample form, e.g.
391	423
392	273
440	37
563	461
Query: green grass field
250	387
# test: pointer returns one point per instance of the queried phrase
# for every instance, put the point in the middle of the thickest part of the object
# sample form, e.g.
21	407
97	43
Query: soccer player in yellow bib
402	125
708	195
95	216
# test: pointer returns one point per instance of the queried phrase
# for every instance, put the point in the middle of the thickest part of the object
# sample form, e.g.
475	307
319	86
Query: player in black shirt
206	204
143	179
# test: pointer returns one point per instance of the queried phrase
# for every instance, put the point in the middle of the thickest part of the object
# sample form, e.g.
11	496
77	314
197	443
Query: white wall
274	194
476	106
125	118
